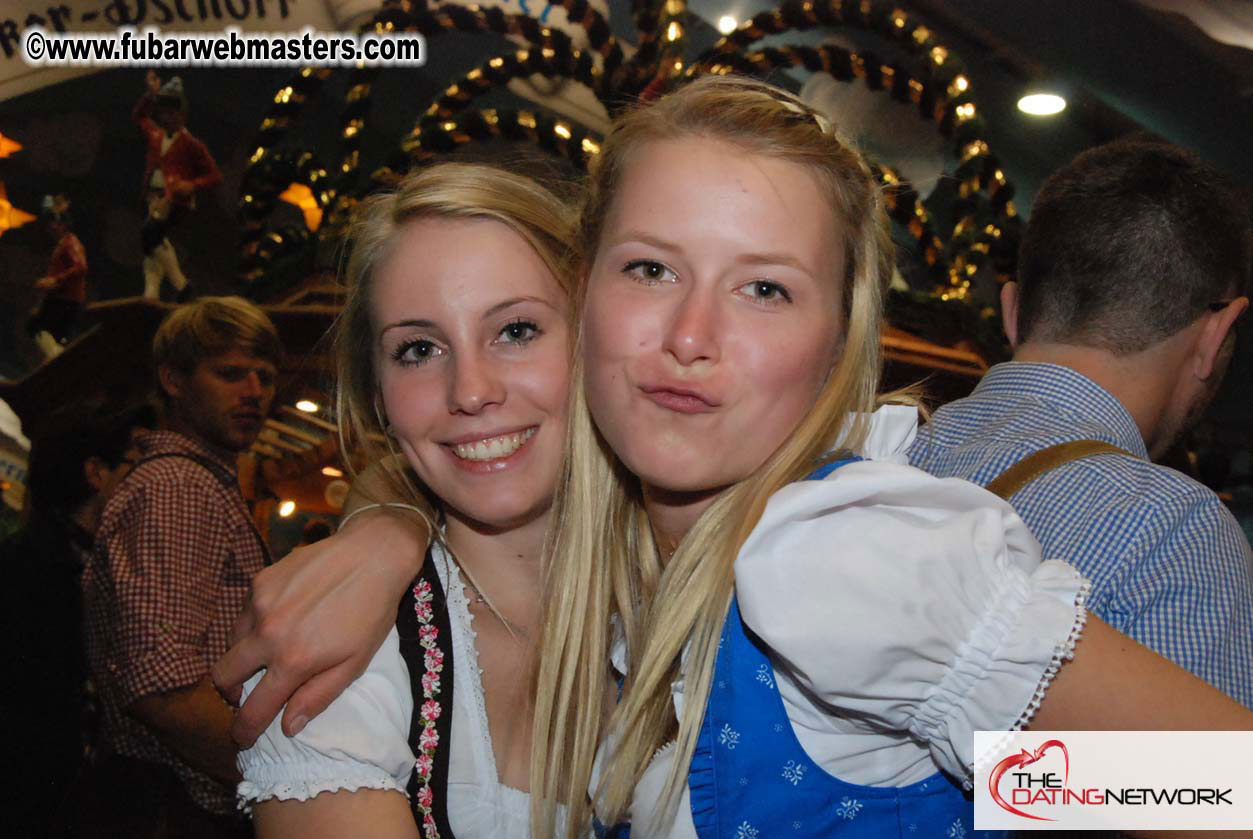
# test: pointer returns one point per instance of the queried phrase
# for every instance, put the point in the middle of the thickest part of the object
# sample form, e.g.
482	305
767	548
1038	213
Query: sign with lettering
19	17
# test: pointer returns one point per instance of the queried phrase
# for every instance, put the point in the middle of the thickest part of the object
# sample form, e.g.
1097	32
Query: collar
1069	394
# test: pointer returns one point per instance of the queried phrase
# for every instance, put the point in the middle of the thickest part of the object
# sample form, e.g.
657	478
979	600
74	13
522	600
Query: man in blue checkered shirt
1133	273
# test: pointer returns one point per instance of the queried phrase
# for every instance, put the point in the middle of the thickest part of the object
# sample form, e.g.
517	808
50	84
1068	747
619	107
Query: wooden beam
309	418
292	431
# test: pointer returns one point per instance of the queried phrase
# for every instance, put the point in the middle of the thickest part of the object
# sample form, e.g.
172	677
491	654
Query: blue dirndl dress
750	778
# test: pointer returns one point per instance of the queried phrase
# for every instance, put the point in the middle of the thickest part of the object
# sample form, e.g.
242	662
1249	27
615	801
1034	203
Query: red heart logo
1025	758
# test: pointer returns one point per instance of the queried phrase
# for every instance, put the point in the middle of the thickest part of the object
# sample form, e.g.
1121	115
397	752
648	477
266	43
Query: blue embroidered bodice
750	777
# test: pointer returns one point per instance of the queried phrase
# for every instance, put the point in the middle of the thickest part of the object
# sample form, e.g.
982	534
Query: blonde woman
455	344
805	642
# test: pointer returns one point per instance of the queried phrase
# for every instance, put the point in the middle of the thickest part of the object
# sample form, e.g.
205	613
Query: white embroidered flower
956	830
728	736
764	676
848	809
745	831
796	825
793	772
778	728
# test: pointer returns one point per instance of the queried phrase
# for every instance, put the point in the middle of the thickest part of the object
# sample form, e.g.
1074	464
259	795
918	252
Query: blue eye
520	331
649	271
766	291
415	352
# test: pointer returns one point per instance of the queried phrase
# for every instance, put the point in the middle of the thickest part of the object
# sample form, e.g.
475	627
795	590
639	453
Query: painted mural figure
176	168
65	285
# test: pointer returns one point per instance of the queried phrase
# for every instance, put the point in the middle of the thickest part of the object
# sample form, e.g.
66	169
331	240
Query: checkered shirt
1169	565
170	570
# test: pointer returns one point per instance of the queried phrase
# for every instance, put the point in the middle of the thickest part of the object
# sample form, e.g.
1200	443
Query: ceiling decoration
922	72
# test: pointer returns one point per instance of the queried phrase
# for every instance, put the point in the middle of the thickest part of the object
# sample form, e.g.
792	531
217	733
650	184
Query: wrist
399	533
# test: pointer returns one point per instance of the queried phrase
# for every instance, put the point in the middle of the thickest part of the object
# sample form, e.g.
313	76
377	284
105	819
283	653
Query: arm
166	583
351	581
139	113
195	724
203	169
345	773
921	605
77	267
366	812
1114	684
209	174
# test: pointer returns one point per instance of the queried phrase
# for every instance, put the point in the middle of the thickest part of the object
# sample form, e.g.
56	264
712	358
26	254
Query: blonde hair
447	190
603	564
212	326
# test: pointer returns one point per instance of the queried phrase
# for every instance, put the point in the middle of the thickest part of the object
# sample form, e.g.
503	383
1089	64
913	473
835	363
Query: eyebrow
422	323
765	258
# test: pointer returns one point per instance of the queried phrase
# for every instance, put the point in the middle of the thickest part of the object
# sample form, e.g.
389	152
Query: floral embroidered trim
428	740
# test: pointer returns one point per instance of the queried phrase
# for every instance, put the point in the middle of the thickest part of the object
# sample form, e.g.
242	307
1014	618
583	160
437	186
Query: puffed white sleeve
359	742
910	602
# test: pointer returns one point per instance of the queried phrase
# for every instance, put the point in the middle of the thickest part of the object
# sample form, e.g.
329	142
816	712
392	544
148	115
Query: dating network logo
1040	784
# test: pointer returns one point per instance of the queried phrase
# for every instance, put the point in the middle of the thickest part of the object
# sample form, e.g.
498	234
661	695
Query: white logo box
1113	780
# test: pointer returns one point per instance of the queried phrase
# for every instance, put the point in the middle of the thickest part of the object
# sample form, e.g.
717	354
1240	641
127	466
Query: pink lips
680	400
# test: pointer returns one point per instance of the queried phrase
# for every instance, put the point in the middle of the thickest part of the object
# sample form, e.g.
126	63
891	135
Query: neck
672	514
507	561
176	423
1144	382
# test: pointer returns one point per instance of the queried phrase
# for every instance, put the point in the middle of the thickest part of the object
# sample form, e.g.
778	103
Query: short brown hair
212	326
1127	244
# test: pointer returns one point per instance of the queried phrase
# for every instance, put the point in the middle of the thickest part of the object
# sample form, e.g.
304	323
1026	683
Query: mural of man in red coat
177	167
64	286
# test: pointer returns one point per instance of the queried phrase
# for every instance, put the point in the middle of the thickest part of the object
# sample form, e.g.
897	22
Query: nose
254	388
474	385
692	335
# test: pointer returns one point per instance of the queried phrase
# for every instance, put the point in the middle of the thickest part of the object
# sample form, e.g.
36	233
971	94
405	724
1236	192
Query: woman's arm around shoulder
315	618
914	604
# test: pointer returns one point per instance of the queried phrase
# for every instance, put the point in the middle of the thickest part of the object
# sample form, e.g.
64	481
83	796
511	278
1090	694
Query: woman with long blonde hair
805	641
453	348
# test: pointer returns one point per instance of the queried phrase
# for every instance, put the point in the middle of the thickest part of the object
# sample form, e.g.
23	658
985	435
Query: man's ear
171	381
94	472
1213	335
1009	312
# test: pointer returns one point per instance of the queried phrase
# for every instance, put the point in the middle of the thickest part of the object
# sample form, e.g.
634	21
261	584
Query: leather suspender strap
1034	465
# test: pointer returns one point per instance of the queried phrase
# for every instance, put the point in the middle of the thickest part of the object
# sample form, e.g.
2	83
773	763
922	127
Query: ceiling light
727	24
286	508
332	472
1042	104
307	406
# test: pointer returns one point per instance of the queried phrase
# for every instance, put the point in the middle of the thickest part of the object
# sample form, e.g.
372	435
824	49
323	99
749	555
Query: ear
94	469
171	381
1213	335
1009	312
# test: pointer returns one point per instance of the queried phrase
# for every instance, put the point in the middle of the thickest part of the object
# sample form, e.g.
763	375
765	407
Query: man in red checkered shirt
170	570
